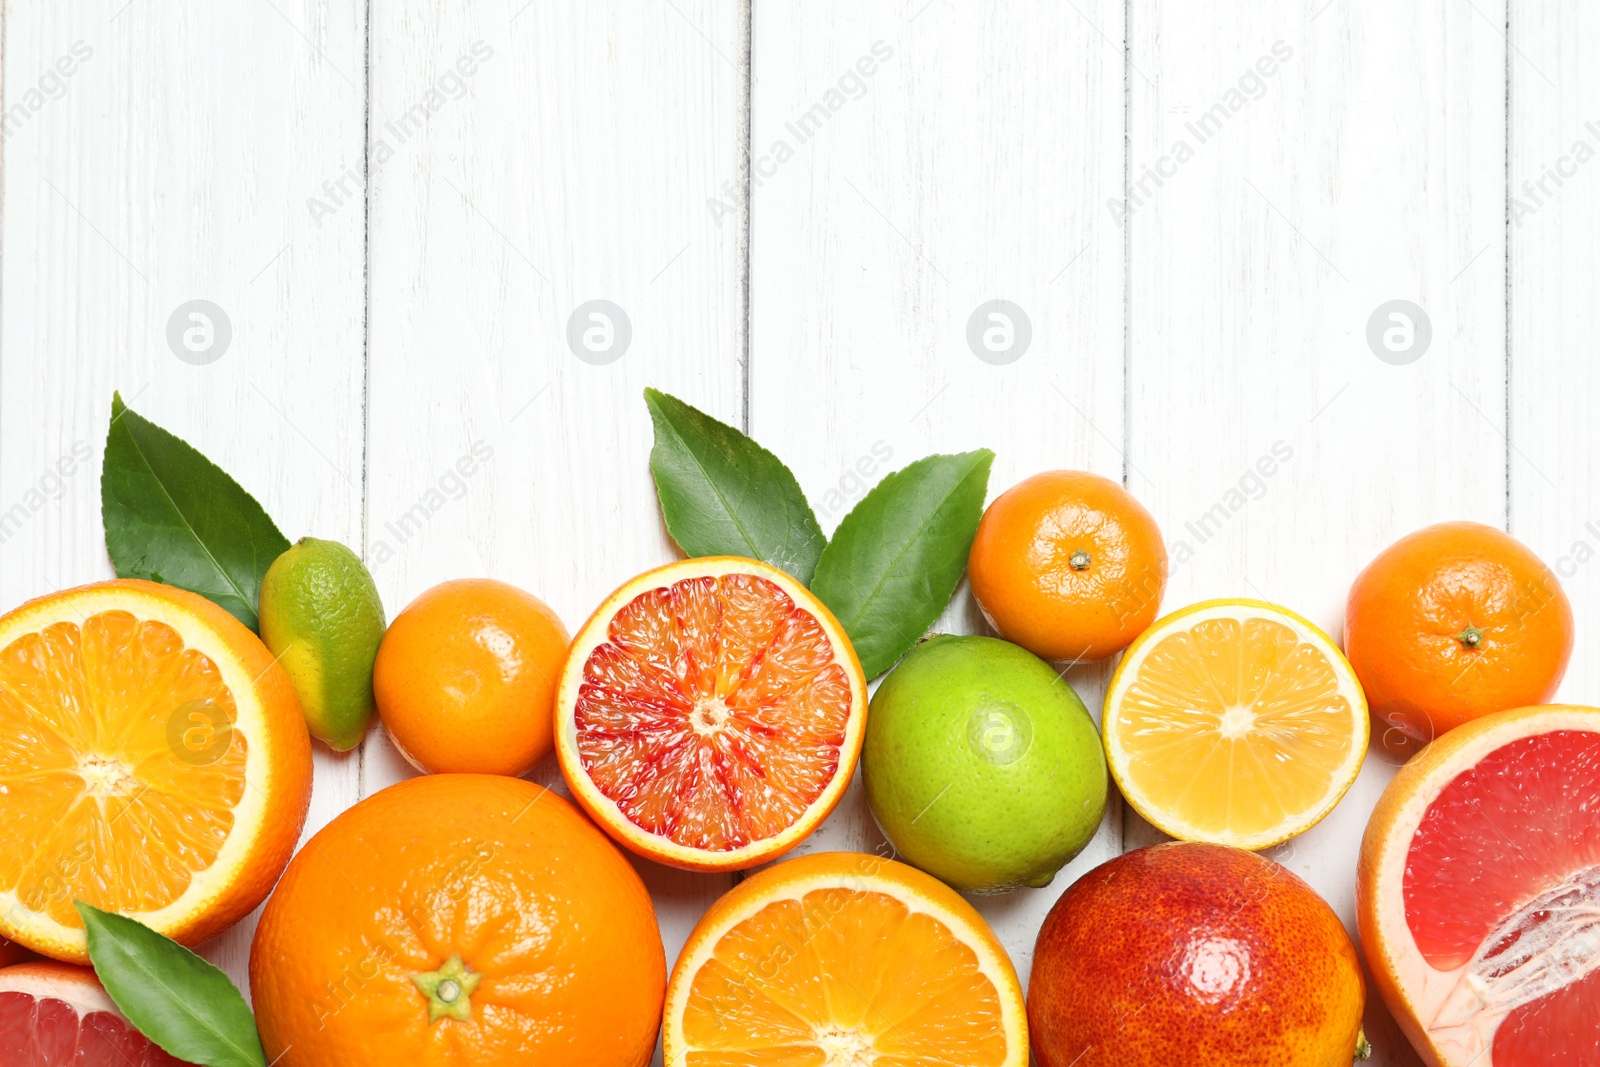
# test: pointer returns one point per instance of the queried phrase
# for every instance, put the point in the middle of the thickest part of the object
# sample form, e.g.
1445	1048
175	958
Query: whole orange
466	678
1194	954
459	919
1068	565
1453	622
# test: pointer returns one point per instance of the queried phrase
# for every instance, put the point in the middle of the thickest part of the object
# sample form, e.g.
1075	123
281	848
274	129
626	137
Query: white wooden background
398	248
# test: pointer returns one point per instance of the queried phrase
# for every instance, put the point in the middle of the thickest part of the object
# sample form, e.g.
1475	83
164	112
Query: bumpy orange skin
466	678
1198	955
499	870
1024	579
285	757
1407	613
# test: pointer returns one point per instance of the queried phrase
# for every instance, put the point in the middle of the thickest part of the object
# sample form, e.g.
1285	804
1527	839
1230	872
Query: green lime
982	766
322	618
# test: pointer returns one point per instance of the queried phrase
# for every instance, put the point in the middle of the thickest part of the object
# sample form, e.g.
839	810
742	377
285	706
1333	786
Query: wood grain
913	163
1367	166
173	164
1554	213
575	165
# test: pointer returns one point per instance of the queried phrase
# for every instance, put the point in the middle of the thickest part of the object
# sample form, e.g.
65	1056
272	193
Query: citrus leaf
896	559
724	495
172	996
173	516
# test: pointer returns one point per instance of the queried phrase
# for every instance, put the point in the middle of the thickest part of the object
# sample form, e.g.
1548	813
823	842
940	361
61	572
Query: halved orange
710	713
153	762
844	958
1235	722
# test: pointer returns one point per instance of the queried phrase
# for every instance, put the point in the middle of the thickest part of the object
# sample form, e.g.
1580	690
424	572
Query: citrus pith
710	714
155	764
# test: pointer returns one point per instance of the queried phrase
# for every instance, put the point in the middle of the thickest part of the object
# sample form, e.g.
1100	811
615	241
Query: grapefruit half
1478	893
710	713
55	1015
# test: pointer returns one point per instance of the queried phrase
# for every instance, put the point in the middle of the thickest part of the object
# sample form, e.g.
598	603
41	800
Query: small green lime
322	618
982	766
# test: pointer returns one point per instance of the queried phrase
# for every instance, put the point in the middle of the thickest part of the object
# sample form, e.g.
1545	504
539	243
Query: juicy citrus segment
1235	722
843	959
84	717
53	1015
152	763
1478	895
1459	881
711	713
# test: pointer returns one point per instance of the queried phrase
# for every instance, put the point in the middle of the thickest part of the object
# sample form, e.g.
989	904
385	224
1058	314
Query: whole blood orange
1068	565
459	919
711	713
1194	954
154	762
57	1015
1452	622
1478	892
466	678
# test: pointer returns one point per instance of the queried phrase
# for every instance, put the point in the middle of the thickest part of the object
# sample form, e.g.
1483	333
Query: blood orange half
1479	892
710	714
55	1015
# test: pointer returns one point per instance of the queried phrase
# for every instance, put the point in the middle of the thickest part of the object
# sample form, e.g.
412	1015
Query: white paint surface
400	205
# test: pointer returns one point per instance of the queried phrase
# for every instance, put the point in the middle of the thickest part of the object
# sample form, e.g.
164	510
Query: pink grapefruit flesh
55	1015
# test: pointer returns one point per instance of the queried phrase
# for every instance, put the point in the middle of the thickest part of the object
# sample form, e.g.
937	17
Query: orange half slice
710	714
153	762
844	958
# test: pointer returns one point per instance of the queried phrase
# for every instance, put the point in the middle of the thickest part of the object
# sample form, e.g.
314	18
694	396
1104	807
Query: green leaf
174	997
896	559
173	516
724	495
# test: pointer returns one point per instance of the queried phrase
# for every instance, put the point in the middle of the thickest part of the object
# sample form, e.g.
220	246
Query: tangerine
466	675
1452	622
1068	565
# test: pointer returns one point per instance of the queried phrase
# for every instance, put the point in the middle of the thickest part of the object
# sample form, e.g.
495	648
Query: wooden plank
1312	163
134	187
570	158
912	165
1555	225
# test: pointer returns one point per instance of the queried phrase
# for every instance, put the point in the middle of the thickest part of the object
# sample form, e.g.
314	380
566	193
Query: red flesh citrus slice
710	713
55	1015
1479	892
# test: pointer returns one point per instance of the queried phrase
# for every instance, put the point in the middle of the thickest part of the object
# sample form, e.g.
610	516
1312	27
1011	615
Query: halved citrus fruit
844	958
710	713
153	762
56	1015
1478	892
1235	722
